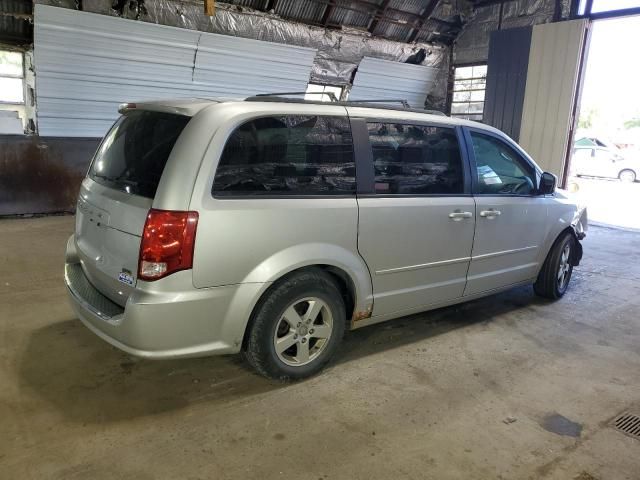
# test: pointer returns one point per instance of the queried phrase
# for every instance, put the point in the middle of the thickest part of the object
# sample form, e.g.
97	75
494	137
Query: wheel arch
628	169
576	255
342	279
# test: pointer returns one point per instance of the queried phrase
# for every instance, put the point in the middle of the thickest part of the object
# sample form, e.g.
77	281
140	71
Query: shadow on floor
89	381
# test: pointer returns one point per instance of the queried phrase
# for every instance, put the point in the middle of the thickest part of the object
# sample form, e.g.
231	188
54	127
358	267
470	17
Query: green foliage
587	117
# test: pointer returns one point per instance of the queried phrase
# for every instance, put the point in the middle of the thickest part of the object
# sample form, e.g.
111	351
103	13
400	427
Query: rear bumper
167	323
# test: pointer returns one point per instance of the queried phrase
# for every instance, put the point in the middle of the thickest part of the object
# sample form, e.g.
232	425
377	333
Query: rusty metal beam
210	7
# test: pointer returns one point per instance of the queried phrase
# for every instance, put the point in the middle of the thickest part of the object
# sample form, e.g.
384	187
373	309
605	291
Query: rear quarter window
287	155
132	156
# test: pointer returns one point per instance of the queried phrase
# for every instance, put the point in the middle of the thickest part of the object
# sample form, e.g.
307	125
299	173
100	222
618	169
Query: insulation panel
382	79
87	64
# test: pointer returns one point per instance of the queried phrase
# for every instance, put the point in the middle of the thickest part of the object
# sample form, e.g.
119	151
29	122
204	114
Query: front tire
297	327
553	279
627	176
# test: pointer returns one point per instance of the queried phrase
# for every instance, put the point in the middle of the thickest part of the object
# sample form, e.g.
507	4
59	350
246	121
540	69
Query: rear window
134	153
288	155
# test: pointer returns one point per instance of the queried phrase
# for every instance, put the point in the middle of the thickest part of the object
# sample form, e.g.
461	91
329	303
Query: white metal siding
87	64
554	63
382	79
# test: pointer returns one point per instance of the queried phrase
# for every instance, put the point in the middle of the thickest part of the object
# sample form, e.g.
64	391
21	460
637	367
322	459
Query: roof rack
405	107
331	95
404	103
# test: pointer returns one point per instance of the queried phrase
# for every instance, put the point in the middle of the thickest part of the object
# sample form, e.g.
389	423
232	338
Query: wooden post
210	7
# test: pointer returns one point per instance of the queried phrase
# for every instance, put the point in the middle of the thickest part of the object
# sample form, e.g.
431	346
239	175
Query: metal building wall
382	79
472	45
87	64
554	64
506	79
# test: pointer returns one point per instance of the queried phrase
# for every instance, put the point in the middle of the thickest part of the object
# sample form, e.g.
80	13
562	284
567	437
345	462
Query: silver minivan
269	226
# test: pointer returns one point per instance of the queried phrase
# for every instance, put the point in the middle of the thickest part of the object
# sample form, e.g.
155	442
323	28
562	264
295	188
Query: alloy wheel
564	268
303	331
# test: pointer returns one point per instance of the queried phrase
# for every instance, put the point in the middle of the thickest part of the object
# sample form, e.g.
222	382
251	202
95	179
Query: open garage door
555	60
87	64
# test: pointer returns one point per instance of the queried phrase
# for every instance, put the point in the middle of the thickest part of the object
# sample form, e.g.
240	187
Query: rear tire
553	279
296	327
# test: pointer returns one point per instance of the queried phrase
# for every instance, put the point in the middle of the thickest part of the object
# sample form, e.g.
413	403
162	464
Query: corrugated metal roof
360	14
394	31
411	6
87	64
352	18
382	79
435	31
255	4
15	27
301	10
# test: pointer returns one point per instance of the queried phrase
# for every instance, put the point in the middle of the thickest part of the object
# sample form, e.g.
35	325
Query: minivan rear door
117	194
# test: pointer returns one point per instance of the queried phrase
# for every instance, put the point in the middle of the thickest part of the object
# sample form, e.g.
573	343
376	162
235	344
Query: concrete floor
467	392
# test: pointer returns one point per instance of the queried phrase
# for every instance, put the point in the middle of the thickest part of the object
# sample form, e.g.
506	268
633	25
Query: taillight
167	243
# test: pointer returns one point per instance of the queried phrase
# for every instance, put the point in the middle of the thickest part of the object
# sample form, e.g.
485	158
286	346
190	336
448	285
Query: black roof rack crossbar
331	95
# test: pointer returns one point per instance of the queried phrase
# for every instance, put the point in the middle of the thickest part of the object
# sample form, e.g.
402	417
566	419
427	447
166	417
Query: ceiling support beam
271	5
428	10
380	13
328	10
488	3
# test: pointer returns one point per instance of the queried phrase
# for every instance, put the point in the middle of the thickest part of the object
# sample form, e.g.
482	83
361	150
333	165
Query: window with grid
12	109
469	85
11	78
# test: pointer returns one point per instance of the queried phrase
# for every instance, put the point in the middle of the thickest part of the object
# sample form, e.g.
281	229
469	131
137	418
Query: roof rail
404	103
273	97
333	98
331	95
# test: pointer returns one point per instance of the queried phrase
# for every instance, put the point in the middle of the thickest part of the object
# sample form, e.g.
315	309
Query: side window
415	159
288	155
501	170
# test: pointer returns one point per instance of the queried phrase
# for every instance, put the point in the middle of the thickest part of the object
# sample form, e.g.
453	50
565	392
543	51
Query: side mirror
547	183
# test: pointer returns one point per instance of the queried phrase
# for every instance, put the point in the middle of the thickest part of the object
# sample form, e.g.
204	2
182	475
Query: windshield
134	153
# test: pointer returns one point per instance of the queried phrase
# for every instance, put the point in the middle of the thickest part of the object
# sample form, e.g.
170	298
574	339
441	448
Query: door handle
491	213
458	215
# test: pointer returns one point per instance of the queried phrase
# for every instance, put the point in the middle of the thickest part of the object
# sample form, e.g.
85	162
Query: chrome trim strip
403	291
500	272
423	265
503	252
453	261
